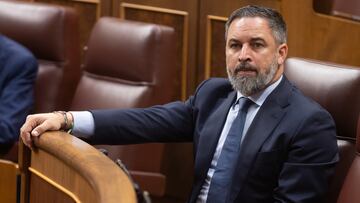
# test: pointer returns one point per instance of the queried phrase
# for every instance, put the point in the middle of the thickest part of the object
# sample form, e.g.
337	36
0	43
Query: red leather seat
51	33
336	88
350	189
129	64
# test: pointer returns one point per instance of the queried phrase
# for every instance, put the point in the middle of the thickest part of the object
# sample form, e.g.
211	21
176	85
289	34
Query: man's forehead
252	27
249	23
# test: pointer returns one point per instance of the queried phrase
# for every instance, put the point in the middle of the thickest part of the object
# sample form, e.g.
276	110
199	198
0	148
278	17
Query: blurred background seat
51	33
129	64
336	88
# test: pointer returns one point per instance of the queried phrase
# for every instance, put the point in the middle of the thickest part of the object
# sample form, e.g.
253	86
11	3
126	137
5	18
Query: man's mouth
246	72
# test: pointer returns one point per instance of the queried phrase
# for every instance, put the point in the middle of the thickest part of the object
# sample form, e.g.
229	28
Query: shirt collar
259	98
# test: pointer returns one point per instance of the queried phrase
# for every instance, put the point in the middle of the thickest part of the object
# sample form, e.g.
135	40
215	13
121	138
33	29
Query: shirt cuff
84	124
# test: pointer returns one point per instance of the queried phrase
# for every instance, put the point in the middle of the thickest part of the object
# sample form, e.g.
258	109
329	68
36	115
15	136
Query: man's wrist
70	118
68	121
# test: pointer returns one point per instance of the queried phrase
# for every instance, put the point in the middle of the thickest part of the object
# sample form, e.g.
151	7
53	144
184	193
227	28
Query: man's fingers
45	126
26	137
26	129
37	124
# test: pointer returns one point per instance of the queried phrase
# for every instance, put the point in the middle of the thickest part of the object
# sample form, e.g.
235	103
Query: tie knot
244	103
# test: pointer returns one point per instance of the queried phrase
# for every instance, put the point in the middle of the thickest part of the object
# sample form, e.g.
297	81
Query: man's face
254	60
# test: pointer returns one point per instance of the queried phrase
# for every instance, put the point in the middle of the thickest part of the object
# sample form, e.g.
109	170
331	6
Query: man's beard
251	85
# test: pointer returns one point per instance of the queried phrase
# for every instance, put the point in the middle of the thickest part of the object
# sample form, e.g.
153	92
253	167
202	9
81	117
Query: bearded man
256	137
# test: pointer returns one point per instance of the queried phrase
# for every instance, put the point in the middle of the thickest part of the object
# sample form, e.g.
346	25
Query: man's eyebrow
257	39
232	40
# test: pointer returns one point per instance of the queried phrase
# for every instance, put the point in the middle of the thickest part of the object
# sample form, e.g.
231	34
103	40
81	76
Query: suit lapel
210	135
266	119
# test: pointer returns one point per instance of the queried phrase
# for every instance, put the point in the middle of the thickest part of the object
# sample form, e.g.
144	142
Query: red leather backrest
333	86
127	64
51	33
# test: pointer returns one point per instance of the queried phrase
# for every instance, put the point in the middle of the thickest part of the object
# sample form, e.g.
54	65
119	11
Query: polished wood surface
322	37
89	12
66	169
8	175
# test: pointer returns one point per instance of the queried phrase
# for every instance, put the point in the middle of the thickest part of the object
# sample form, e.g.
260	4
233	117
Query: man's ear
282	53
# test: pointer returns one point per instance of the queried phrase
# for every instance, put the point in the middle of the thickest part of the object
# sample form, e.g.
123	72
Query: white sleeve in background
84	124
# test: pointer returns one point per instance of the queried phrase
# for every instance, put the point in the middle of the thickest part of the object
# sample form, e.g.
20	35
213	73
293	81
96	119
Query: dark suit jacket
288	154
18	69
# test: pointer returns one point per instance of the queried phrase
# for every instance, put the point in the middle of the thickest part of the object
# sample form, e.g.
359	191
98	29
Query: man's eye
234	45
257	45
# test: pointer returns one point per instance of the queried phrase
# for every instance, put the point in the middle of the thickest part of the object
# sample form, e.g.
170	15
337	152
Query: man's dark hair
273	17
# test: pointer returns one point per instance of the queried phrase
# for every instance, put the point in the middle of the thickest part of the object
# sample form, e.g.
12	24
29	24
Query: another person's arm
16	98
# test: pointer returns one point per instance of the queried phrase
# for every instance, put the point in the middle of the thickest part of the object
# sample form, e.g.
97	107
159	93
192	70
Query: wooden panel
8	181
24	164
60	180
42	191
215	47
322	37
169	17
88	10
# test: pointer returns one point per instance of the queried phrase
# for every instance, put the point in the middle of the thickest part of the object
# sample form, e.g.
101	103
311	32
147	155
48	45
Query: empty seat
129	64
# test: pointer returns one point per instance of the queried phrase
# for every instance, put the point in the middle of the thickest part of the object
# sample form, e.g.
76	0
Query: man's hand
37	124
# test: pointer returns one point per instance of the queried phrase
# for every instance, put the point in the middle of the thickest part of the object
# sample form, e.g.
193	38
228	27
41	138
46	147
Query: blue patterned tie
222	179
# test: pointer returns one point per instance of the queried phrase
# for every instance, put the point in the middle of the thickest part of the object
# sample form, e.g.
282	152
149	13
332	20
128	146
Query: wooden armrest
75	169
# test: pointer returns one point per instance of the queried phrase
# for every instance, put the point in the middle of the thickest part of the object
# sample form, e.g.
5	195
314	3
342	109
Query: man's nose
244	54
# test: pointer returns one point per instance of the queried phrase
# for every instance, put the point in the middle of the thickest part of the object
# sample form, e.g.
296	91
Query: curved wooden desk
64	168
8	176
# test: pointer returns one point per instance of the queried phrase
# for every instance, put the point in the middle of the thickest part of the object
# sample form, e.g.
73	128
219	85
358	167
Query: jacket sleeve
166	123
16	99
172	122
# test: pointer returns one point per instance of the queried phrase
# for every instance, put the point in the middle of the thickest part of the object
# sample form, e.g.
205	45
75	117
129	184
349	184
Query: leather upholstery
336	88
129	64
51	33
350	189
